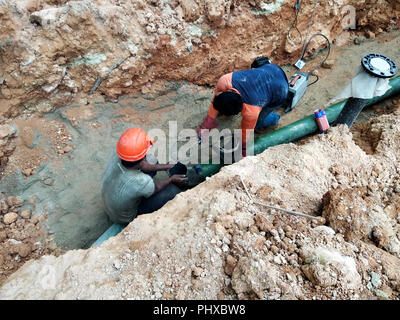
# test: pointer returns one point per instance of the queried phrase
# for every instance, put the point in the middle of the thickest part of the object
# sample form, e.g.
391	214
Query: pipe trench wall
289	133
134	46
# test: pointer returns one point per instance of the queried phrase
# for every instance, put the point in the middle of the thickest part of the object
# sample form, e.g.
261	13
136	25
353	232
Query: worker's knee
158	200
169	192
268	120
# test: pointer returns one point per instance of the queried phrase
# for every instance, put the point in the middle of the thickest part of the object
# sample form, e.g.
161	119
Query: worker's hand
202	134
244	149
208	123
179	179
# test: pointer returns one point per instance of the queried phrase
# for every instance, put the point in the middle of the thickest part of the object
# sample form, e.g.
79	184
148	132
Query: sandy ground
214	242
69	148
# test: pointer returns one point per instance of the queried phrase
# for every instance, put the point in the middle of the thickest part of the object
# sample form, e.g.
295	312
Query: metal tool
275	207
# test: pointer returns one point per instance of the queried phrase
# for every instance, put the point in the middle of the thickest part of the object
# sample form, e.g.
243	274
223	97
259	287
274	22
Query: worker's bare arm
178	179
148	167
161	185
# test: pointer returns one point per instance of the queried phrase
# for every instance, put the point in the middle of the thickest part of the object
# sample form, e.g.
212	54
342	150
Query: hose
307	43
350	111
294	24
300	128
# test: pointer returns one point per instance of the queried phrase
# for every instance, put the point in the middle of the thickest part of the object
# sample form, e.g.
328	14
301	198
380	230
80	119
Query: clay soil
214	242
53	142
23	235
211	242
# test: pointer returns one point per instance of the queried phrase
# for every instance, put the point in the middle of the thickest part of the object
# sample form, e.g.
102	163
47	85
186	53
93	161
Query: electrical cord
307	43
311	73
294	24
303	51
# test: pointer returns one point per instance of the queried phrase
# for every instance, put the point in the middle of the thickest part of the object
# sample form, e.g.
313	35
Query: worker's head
133	145
228	103
260	61
131	164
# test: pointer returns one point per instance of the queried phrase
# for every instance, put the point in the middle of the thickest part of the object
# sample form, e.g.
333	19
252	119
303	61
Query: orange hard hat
133	144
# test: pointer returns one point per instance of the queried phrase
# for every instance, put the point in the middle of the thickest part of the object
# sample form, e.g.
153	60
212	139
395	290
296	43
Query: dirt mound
119	47
23	236
7	145
213	242
23	138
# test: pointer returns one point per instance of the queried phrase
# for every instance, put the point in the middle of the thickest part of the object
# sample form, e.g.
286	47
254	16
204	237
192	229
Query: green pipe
299	129
291	132
110	232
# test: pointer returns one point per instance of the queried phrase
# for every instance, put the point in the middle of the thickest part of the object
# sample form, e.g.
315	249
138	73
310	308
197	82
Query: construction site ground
210	242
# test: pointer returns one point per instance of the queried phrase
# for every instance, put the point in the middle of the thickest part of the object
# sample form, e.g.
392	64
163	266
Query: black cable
311	73
329	50
314	75
294	24
306	43
303	51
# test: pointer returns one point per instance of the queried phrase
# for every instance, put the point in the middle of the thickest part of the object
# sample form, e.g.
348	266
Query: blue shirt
266	86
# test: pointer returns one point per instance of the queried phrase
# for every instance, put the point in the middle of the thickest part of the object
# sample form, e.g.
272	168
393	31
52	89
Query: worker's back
122	189
263	86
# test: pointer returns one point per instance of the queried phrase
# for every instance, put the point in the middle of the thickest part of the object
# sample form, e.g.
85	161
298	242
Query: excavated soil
213	242
133	45
23	235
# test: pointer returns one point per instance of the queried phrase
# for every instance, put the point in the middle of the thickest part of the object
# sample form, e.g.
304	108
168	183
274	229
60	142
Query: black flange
379	65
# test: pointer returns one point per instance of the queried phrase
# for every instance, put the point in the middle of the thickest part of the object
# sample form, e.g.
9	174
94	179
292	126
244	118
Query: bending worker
128	188
254	92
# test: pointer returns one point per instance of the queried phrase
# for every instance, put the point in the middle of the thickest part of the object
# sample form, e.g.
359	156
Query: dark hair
260	61
228	103
130	164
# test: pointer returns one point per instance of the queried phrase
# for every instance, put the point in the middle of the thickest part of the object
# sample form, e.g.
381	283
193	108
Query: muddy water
69	189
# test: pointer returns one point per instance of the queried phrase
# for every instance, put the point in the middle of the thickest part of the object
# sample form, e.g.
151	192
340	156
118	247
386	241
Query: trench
68	187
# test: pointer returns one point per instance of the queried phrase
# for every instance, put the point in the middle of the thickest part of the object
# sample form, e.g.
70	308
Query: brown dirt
24	239
164	40
212	242
367	135
29	154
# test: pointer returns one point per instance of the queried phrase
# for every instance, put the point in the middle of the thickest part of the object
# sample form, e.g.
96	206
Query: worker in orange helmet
128	188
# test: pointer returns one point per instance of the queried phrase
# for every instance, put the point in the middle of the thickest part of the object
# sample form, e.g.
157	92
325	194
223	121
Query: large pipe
110	232
291	132
350	111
